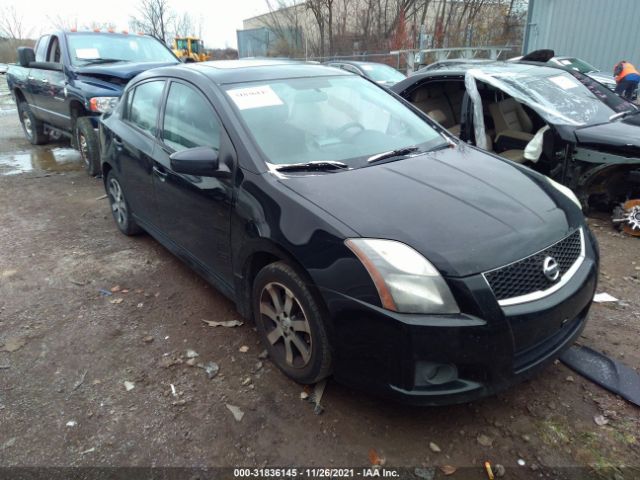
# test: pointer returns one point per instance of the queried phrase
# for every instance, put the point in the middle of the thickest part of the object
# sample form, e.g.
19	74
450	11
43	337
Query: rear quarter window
143	105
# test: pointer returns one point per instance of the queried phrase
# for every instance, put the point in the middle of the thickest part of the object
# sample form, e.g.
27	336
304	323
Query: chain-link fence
408	61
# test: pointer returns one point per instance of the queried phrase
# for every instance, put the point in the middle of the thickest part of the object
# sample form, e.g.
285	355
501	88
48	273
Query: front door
195	210
51	81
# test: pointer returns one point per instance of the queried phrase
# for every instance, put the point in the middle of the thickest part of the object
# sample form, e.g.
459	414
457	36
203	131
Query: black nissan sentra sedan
363	239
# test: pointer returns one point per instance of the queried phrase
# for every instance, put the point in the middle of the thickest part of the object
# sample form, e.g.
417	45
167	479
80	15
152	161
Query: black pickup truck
63	85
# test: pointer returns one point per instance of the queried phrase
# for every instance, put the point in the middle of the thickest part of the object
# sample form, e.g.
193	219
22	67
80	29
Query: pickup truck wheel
119	206
32	127
87	142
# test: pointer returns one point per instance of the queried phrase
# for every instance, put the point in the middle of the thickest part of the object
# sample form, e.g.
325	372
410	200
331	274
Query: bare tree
63	23
154	18
317	8
12	24
99	26
183	25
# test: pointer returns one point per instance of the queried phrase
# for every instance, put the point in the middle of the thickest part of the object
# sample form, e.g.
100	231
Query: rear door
195	210
135	141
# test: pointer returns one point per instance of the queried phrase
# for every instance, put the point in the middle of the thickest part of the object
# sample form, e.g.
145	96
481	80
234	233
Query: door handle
44	80
161	174
118	143
31	77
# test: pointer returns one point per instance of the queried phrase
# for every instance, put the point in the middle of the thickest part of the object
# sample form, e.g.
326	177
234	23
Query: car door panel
195	211
136	143
49	83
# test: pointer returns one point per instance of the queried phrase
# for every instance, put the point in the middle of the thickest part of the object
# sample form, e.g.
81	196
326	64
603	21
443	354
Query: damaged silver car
561	123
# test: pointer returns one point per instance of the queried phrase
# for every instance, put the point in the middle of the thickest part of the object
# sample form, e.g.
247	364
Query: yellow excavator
189	49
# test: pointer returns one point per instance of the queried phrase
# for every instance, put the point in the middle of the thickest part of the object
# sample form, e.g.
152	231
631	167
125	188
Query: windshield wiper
321	165
391	154
97	61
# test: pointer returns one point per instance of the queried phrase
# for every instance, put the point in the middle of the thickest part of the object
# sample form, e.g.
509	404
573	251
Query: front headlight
406	281
103	104
567	191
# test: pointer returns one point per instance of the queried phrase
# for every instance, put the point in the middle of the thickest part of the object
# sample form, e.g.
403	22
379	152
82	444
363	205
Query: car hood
466	211
121	70
621	137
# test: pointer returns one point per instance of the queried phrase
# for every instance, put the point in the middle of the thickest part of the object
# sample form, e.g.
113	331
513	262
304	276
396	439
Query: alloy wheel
118	204
285	324
26	121
84	148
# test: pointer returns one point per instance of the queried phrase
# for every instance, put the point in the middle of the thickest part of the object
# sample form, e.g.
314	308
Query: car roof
224	72
489	67
356	62
459	70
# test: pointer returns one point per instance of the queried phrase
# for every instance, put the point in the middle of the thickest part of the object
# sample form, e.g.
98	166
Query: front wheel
120	207
87	142
290	322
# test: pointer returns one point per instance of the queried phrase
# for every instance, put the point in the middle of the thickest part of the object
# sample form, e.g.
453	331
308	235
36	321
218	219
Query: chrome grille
526	276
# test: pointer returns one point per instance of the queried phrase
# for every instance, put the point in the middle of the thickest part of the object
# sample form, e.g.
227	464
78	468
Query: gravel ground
71	354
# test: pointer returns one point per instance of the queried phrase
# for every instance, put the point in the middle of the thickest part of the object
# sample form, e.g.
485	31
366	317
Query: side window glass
41	49
189	120
53	55
145	104
126	104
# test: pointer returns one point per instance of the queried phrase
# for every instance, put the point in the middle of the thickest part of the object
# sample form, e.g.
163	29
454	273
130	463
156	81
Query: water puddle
47	160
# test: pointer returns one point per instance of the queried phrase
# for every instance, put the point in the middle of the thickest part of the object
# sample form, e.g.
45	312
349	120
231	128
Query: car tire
290	321
119	206
87	144
32	127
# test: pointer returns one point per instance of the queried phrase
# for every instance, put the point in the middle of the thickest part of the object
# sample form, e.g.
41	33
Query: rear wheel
290	321
120	207
87	143
32	127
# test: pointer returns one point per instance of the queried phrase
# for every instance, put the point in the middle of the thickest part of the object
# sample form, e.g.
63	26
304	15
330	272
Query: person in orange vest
627	79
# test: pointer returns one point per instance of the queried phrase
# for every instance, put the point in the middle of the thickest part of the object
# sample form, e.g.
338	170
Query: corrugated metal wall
602	32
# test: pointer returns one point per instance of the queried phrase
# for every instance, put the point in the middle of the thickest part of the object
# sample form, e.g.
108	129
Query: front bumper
492	348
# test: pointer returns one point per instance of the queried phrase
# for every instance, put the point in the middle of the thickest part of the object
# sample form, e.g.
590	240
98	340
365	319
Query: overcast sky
220	18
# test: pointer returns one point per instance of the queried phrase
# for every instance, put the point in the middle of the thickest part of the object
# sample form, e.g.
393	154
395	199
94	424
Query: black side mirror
26	55
199	161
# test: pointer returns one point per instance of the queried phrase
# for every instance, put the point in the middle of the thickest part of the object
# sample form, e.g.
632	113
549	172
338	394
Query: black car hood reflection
457	207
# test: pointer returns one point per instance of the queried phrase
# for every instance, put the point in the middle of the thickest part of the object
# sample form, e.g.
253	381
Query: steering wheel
348	126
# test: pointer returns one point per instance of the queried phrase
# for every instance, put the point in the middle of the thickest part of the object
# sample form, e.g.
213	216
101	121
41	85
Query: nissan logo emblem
551	269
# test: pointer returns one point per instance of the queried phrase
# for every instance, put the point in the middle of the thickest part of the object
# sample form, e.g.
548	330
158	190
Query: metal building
602	32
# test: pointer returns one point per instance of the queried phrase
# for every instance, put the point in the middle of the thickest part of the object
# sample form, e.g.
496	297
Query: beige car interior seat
514	155
511	120
433	101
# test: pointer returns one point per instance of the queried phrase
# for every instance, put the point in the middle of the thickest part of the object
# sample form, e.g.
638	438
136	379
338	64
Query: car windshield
382	73
109	47
563	98
328	119
577	64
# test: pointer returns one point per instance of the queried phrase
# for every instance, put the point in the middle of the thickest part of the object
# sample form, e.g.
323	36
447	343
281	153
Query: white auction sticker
87	53
564	82
254	97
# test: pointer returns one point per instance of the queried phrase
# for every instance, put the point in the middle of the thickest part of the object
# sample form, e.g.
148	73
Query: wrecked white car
560	123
